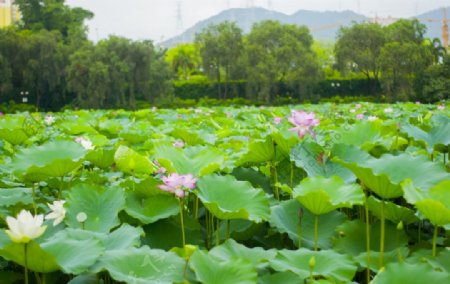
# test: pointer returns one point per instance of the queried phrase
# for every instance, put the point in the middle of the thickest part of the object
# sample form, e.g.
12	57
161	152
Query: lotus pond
303	194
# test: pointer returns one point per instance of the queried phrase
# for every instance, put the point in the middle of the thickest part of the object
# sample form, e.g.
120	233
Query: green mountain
323	25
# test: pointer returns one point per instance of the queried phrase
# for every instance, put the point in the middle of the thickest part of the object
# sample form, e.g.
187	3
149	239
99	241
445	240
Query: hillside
323	25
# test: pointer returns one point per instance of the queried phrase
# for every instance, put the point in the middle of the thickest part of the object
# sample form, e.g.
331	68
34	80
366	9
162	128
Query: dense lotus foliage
301	194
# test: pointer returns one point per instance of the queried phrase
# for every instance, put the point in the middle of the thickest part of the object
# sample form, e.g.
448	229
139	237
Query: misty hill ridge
323	25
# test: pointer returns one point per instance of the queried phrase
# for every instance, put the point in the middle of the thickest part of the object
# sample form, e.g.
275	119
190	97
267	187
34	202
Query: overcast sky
157	19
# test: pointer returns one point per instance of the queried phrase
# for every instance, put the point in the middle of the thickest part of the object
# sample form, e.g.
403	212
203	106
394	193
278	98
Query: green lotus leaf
384	175
192	138
312	158
210	269
53	159
441	262
379	183
417	273
232	250
388	257
84	279
131	162
101	205
166	233
329	264
124	237
13	196
38	260
77	127
434	204
285	218
259	151
151	209
101	157
392	211
143	265
146	187
352	238
285	140
424	173
360	134
74	250
112	127
195	160
281	278
438	135
227	198
321	195
14	130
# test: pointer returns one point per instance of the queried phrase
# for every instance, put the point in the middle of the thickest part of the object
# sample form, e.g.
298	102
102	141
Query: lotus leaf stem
382	229
316	232
435	233
366	207
217	232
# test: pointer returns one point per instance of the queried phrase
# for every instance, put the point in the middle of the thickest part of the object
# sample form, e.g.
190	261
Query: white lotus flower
58	212
372	118
388	110
25	227
49	119
85	142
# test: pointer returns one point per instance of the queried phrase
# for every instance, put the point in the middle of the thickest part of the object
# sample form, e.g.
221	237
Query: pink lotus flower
360	116
417	102
277	120
178	144
358	106
440	107
303	122
178	184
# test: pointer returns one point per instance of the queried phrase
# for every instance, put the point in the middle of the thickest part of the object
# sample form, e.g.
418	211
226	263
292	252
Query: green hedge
195	90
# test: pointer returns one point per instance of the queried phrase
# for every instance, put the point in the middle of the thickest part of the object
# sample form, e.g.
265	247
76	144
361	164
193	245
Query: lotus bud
312	263
400	226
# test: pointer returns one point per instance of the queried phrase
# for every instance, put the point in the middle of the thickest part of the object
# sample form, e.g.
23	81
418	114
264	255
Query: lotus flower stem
382	223
434	240
274	169
292	175
25	248
316	232
196	207
366	207
228	228
182	223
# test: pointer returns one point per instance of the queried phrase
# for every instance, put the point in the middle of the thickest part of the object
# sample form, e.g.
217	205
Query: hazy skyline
157	19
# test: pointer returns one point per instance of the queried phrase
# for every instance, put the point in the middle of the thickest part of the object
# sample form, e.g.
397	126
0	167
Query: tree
184	60
53	15
401	64
280	54
434	84
358	48
220	48
404	58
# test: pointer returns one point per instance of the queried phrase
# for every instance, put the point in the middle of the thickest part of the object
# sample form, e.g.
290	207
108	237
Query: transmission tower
179	16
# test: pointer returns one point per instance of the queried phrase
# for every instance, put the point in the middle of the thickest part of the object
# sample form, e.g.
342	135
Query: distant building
9	13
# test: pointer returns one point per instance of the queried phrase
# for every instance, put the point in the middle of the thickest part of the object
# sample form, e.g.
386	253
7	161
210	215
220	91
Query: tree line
48	56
